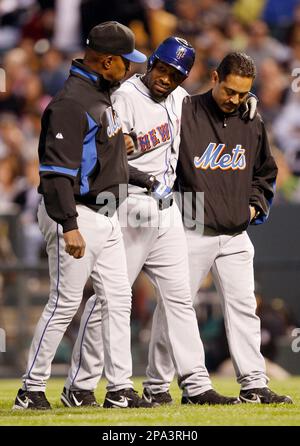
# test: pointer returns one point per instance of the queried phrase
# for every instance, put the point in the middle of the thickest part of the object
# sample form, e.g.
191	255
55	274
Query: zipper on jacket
224	121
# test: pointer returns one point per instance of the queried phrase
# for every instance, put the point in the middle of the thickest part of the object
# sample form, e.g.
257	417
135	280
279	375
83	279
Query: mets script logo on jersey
180	52
213	158
154	137
114	123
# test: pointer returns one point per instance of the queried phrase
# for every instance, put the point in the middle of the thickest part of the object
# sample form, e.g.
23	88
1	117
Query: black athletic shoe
209	397
26	399
78	398
123	399
161	398
263	396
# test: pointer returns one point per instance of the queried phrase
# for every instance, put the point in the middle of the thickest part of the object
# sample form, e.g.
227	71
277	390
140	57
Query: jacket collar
78	68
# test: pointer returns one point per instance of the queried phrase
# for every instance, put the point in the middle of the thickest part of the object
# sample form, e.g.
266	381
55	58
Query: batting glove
161	193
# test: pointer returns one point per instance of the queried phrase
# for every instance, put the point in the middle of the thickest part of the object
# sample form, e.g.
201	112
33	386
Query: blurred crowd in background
39	38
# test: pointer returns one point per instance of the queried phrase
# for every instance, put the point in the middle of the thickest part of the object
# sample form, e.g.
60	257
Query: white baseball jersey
157	134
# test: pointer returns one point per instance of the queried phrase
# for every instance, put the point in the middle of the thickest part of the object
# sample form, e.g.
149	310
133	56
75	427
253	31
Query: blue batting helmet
176	52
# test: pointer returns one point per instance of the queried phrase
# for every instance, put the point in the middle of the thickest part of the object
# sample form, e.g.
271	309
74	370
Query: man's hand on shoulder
249	107
75	244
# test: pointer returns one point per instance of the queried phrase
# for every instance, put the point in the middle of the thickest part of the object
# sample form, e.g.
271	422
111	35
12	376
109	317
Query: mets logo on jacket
214	158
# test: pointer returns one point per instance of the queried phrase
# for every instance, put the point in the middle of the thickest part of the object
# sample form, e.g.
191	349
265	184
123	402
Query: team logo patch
180	53
214	158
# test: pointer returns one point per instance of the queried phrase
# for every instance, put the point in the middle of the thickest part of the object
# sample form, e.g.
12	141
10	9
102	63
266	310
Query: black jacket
228	159
81	147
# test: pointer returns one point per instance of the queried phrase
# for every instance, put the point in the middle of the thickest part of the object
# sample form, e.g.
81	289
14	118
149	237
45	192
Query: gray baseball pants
230	259
160	249
105	262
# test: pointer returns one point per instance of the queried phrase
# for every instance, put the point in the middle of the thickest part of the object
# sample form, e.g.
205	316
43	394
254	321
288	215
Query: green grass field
175	415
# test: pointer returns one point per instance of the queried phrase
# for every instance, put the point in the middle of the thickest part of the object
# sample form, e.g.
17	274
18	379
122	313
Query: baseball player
150	109
228	159
82	157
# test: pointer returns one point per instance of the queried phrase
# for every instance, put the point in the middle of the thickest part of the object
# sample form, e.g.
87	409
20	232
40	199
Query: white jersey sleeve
156	126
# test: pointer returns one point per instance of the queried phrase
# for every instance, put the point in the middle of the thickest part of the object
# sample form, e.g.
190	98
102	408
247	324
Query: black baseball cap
114	38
